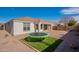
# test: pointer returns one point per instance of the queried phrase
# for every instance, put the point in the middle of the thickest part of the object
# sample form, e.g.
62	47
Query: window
26	26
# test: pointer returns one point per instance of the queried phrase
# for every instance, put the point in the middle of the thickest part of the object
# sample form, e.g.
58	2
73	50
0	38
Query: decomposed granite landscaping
48	44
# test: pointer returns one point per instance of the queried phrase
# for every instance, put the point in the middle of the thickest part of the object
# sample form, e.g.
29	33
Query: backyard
47	45
14	43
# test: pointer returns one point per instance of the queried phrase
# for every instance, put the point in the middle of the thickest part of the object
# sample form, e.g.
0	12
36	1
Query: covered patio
46	26
42	26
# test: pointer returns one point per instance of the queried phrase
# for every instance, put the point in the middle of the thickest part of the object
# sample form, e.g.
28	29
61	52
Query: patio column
4	27
39	27
50	27
43	26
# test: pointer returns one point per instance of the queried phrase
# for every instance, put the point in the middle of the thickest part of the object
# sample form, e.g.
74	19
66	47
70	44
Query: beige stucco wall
18	28
9	27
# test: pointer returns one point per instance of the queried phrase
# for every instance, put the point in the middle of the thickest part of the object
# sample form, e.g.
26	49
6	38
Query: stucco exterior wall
15	27
9	27
18	28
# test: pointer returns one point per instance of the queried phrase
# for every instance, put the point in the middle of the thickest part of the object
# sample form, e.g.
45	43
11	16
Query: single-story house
26	25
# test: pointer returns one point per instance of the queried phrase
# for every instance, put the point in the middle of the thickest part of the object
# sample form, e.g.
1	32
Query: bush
71	22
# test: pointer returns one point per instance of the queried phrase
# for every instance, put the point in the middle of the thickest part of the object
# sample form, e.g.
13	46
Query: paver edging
26	43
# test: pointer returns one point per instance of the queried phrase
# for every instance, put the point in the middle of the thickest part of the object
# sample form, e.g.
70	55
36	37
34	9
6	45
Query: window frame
26	26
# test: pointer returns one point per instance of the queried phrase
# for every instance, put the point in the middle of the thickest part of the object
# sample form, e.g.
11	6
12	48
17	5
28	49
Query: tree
72	22
69	20
65	19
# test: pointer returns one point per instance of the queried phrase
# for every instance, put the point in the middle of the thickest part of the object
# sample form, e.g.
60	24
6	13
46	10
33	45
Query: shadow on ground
53	46
70	42
67	43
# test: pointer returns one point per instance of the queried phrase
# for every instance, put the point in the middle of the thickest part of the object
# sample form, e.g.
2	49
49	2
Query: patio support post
38	27
50	27
4	27
43	26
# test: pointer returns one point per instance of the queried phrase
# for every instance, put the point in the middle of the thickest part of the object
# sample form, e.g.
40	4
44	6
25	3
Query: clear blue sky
46	13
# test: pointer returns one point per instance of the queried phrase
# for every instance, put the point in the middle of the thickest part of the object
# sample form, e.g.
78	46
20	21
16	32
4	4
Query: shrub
71	22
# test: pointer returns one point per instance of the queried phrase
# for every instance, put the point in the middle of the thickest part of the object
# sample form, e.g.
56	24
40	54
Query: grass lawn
46	45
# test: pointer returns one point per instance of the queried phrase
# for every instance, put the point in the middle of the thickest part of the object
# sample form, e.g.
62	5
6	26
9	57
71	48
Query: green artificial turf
46	45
